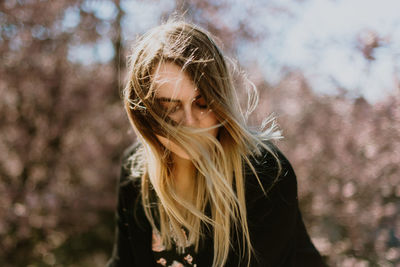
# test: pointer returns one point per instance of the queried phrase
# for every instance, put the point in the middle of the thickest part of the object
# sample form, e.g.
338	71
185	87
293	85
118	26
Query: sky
318	37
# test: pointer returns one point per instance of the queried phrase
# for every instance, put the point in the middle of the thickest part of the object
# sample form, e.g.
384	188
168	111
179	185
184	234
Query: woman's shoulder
269	158
273	169
132	165
129	186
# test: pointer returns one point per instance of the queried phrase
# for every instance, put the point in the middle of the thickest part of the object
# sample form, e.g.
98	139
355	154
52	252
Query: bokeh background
329	70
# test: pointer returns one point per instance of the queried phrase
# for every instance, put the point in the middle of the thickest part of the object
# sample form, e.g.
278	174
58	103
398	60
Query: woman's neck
184	174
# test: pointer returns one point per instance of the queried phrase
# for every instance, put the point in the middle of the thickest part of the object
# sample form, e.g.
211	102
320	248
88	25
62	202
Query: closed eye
171	108
201	103
173	105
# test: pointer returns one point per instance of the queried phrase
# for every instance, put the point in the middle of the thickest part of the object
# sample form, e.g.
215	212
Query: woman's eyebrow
166	99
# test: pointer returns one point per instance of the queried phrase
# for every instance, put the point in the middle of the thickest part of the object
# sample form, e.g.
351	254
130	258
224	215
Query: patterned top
172	257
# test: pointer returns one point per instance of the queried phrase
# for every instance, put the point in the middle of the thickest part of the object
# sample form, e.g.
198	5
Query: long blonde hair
219	162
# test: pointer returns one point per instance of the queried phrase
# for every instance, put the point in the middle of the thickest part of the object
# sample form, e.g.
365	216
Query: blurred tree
62	130
346	157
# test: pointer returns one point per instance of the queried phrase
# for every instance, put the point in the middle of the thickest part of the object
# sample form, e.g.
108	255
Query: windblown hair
219	161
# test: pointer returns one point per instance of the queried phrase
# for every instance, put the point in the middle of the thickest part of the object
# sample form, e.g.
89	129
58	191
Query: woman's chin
181	155
174	148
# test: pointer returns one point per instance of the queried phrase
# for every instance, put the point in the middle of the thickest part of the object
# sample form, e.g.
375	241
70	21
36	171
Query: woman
199	188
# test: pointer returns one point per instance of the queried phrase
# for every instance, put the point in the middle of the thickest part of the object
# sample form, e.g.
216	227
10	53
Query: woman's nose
189	118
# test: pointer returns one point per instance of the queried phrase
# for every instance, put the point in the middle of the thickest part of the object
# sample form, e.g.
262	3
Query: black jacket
276	227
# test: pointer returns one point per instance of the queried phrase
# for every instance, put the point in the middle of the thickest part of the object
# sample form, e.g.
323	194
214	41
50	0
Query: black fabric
277	231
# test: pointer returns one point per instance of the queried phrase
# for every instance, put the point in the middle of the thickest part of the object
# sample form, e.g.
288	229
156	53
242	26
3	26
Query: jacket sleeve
122	254
275	224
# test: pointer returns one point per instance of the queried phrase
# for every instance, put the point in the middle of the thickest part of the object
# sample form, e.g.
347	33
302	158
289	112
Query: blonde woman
199	187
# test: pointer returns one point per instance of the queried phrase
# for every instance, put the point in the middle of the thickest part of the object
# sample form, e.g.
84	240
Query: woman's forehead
168	72
172	82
